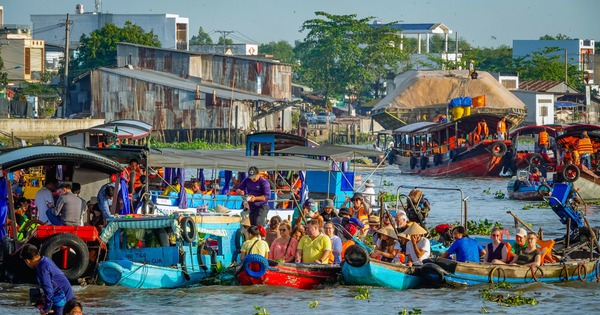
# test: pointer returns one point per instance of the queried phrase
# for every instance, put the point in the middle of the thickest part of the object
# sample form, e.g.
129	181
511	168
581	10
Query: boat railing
463	199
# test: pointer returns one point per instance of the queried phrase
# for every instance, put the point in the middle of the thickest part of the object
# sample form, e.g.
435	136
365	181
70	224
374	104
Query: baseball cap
521	232
253	171
309	203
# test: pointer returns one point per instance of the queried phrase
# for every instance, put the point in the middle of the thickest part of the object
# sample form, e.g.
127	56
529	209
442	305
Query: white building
540	107
171	29
22	55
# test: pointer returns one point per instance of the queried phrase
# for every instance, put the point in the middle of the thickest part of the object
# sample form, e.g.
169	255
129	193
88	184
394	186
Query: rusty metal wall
166	108
169	61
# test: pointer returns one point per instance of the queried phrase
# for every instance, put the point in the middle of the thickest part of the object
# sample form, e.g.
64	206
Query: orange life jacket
345	246
452	142
501	127
543	138
482	128
584	145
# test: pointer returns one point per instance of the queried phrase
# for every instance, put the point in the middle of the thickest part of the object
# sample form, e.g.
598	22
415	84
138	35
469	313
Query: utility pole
66	78
224	35
566	68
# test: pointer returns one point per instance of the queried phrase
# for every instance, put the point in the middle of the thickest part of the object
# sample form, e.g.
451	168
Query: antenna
98	6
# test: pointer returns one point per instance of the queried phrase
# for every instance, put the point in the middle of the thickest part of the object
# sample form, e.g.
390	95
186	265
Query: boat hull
299	276
588	186
482	273
381	274
143	276
484	164
523	191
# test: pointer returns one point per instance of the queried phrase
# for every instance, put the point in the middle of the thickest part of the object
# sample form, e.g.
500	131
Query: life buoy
582	272
188	235
535	159
544	190
423	162
255	265
499	148
110	272
356	256
571	173
413	162
78	256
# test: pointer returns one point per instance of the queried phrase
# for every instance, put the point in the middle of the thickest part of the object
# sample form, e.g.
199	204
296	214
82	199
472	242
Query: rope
501	273
566	270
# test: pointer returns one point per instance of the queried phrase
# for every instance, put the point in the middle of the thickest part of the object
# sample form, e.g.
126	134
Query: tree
99	49
201	39
491	59
280	50
3	75
558	36
545	64
344	55
225	41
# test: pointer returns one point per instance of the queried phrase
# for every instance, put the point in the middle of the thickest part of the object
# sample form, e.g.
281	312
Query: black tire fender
413	162
356	256
544	190
571	173
499	148
423	162
188	229
531	160
77	247
516	185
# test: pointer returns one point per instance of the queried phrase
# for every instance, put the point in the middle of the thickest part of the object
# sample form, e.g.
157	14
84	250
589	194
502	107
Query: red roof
538	85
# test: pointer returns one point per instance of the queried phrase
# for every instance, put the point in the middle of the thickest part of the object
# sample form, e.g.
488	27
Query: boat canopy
469	123
534	129
122	129
231	160
53	154
414	127
334	152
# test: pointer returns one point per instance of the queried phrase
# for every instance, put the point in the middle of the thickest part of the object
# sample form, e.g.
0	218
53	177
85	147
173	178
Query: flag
4	190
126	209
479	101
303	188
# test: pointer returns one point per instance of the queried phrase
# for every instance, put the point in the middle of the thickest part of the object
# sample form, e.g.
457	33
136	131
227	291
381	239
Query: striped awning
144	223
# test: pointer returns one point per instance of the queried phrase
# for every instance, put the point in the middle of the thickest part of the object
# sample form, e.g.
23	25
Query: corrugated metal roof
416	28
538	85
174	81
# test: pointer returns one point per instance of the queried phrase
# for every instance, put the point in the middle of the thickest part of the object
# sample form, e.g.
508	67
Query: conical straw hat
415	229
388	231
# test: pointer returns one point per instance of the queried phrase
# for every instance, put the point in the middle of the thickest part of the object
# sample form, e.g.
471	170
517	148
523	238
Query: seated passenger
535	175
497	250
465	248
196	188
175	187
387	246
298	232
307	212
328	212
284	248
69	208
529	256
314	247
273	229
418	248
336	243
254	245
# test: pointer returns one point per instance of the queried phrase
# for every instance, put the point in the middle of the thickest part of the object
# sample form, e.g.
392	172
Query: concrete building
171	29
235	49
23	56
580	52
540	107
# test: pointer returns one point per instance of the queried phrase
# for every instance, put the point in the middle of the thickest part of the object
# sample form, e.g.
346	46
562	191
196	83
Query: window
27	61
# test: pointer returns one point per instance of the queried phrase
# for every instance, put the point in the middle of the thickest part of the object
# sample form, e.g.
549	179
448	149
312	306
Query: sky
483	23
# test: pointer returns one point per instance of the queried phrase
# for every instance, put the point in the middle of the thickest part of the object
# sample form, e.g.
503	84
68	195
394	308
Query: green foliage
499	194
260	310
313	304
281	50
387	184
343	55
99	48
558	36
491	59
414	311
201	39
3	75
363	294
481	227
491	294
225	41
194	145
548	64
537	205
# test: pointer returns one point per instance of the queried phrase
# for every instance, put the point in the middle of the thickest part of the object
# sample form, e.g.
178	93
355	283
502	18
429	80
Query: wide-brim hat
357	196
328	204
369	183
404	236
386	230
222	209
374	220
246	221
415	229
344	211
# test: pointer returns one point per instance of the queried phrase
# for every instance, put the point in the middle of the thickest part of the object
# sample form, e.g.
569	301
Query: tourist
136	170
328	212
520	241
258	192
387	246
370	197
336	243
418	248
44	199
73	307
351	229
55	286
254	245
69	208
466	249
305	213
360	210
402	222
105	198
196	187
374	224
535	175
283	249
387	220
315	246
298	232
531	255
273	230
497	250
175	187
543	141
21	213
585	150
501	129
76	191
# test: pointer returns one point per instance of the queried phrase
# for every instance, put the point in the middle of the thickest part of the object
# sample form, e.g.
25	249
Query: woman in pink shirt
284	248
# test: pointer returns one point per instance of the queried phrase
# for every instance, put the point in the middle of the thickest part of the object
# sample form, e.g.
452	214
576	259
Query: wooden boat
446	153
527	153
142	254
358	269
255	269
520	188
450	272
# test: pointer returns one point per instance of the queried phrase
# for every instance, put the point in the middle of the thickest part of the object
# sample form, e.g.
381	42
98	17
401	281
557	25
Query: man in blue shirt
257	191
57	289
465	248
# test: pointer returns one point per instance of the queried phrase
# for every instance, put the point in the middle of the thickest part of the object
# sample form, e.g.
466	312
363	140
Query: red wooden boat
256	269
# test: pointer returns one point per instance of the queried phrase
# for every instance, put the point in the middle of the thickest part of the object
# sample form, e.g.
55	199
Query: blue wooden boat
358	269
168	251
520	188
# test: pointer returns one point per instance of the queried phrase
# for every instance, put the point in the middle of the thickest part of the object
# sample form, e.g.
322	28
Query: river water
572	297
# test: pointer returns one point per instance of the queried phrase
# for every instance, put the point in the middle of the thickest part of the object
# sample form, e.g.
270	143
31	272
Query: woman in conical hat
418	248
387	247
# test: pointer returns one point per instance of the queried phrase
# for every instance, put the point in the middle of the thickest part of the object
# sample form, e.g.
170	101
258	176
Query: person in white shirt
370	197
418	248
44	200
